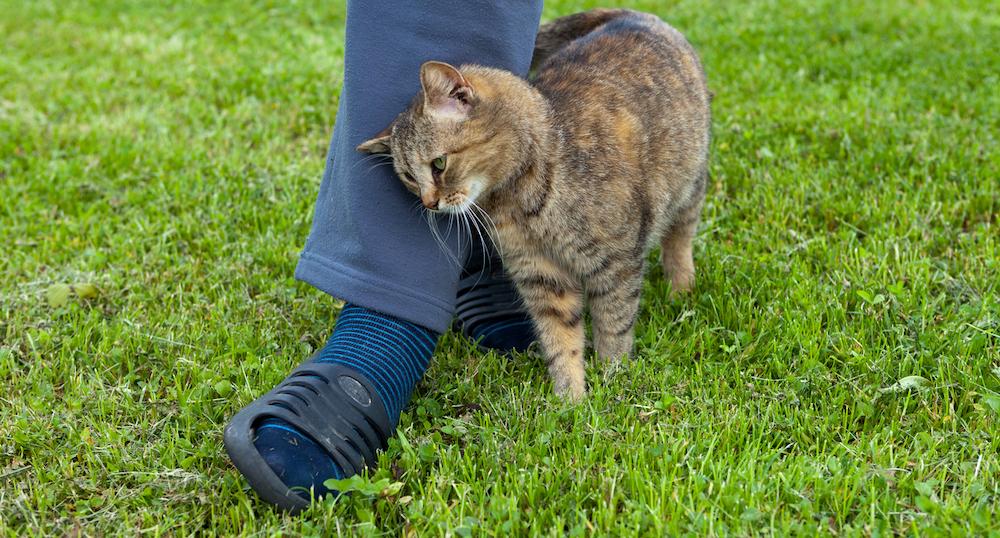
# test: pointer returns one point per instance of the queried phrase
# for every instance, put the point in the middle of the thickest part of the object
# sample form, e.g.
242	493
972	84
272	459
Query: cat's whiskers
475	223
472	223
436	233
382	156
379	159
486	259
491	226
451	220
376	165
461	226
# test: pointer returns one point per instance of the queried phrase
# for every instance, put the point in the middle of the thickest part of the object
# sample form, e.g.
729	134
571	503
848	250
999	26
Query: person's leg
371	246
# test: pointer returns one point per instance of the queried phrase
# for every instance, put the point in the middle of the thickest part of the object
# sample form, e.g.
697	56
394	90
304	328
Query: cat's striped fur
602	156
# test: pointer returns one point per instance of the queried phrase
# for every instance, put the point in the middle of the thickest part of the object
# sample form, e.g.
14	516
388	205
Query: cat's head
461	137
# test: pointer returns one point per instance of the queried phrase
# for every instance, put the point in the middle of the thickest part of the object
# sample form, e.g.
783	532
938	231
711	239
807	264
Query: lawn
837	369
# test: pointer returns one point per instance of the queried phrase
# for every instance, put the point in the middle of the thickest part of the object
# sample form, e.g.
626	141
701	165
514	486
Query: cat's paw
573	390
610	366
681	283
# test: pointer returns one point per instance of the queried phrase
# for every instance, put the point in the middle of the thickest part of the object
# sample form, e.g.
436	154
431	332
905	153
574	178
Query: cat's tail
554	35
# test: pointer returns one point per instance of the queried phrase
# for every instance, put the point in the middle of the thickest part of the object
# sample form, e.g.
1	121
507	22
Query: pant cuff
364	289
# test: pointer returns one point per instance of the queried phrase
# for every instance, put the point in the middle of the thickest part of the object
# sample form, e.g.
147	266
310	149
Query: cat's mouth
456	202
460	201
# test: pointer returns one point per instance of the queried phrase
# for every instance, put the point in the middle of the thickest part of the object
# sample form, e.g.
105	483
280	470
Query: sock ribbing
391	353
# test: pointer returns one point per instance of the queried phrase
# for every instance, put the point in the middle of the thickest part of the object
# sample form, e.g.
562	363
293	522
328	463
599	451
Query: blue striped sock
390	353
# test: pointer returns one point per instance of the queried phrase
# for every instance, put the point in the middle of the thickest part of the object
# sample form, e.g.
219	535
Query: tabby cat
583	170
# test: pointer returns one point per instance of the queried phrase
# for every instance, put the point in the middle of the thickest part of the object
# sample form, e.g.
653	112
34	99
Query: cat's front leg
554	300
613	299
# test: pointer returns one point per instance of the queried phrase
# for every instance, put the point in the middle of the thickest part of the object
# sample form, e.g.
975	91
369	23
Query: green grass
171	156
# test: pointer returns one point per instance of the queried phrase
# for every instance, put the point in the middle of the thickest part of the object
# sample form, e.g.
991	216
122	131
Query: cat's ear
378	144
446	92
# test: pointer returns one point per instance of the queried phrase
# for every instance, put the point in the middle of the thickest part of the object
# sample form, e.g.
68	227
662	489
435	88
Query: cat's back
630	95
632	55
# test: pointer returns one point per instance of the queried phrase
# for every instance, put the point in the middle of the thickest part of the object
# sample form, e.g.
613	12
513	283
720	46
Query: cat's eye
440	163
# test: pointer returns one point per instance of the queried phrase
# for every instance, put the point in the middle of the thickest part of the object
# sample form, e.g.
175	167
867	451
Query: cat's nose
431	204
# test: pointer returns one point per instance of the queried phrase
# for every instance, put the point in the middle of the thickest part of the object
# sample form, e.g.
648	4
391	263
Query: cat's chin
456	209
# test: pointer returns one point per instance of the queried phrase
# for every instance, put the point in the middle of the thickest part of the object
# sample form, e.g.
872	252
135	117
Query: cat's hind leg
676	254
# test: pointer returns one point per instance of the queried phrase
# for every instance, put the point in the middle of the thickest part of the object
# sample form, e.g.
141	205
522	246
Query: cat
582	169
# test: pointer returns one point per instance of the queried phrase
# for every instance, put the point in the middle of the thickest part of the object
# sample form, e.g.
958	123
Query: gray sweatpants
369	243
